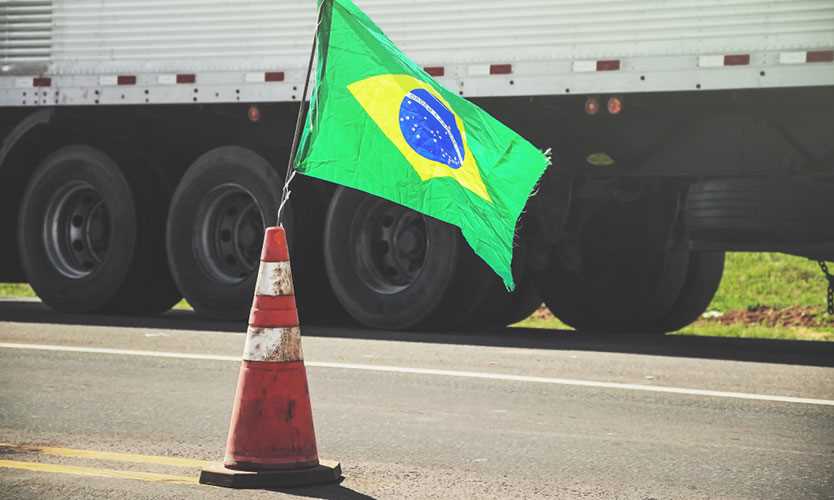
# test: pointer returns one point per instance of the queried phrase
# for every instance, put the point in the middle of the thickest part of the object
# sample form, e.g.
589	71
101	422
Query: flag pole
299	123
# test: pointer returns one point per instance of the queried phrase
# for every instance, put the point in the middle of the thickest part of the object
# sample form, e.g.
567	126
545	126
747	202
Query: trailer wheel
501	308
315	298
215	229
505	308
390	267
627	280
702	281
90	236
473	298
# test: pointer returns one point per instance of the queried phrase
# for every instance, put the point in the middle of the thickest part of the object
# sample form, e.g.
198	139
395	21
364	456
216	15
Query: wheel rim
390	244
76	230
229	233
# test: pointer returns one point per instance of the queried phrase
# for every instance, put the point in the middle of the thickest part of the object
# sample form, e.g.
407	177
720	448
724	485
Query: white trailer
69	49
143	143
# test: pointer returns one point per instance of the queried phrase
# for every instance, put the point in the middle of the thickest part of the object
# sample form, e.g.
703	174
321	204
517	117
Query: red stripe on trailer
262	318
274	76
608	65
126	80
186	78
275	252
736	60
435	70
819	56
274	302
43	81
501	69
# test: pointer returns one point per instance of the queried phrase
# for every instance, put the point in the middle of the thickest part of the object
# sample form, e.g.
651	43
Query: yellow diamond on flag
380	124
422	126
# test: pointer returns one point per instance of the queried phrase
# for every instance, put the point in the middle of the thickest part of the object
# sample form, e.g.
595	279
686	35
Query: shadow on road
330	491
767	351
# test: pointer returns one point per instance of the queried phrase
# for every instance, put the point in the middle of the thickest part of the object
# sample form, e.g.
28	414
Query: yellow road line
108	456
93	472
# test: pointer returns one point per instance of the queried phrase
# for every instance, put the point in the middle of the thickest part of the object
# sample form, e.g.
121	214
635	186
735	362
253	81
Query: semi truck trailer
144	146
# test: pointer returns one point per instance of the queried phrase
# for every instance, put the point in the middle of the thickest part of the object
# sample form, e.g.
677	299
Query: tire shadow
809	353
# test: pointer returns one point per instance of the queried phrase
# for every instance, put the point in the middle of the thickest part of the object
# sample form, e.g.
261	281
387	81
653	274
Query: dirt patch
796	316
542	313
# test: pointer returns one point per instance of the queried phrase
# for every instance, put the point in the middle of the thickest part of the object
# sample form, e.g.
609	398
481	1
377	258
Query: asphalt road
507	414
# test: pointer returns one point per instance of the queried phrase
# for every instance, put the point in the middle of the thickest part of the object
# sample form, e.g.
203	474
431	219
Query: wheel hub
228	233
76	230
390	245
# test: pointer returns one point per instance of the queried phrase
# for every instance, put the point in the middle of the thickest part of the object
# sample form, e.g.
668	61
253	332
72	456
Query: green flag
380	124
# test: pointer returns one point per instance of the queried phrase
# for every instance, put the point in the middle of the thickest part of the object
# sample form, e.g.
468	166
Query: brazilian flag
379	123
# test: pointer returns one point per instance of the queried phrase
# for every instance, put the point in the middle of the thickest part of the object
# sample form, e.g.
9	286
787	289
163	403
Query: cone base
218	475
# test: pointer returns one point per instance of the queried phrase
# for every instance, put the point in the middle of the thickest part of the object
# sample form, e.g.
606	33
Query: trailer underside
627	230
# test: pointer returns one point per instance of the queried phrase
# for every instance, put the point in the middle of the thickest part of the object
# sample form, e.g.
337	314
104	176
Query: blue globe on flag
431	129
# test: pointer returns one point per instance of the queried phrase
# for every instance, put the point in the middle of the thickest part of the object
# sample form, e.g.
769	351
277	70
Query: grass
541	321
750	280
708	329
772	280
712	329
769	279
16	290
182	305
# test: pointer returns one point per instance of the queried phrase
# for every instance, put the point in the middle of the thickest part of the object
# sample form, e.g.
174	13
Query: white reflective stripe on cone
274	278
273	344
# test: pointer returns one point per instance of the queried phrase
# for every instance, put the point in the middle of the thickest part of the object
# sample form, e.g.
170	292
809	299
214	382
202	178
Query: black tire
317	304
570	298
91	235
215	229
702	281
385	287
786	210
624	282
517	305
474	289
501	308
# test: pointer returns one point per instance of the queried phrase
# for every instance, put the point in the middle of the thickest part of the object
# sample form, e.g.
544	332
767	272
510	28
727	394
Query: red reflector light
254	114
42	82
274	76
608	65
615	105
435	70
501	69
820	56
126	80
186	78
737	60
592	106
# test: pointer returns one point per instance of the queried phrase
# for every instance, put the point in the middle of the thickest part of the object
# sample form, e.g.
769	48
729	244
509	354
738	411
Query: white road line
442	373
121	352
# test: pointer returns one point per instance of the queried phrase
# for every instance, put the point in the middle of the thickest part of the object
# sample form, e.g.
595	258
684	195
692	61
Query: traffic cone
271	441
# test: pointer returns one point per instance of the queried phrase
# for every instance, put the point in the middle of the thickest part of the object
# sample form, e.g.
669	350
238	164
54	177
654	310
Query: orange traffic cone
271	441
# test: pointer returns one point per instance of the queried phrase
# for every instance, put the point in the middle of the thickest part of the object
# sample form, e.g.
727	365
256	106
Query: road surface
102	407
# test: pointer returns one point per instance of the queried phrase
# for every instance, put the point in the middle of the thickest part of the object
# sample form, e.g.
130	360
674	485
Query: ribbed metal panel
25	31
571	28
167	35
181	35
